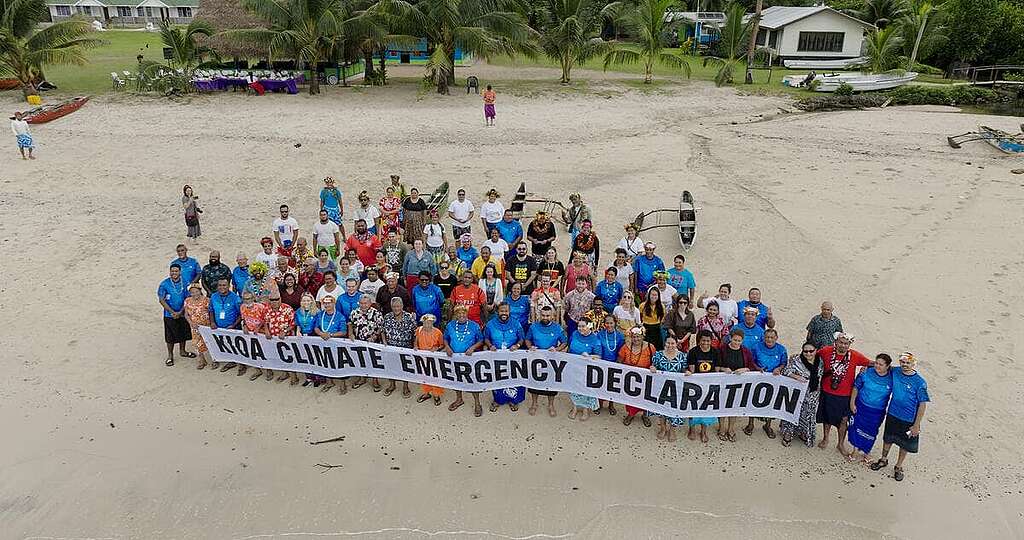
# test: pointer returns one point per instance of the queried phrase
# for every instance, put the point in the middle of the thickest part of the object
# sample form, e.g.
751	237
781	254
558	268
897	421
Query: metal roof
776	17
126	3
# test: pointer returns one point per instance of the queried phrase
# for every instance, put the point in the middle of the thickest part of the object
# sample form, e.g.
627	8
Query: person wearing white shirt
461	213
326	234
20	129
491	211
499	247
728	309
433	233
267	256
372	283
622	266
366	212
286	230
632	243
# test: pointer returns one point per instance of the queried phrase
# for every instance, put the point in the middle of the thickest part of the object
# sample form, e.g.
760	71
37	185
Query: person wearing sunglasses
804	367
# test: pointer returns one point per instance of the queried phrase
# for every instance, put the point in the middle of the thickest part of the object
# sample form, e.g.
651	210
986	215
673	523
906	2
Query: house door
405	58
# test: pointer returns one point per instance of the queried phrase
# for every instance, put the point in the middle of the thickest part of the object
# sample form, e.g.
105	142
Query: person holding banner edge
331	323
463	336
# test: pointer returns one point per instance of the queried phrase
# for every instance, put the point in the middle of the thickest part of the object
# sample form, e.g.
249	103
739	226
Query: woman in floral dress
398	328
364	324
671	360
804	367
254	314
197	312
713	323
389	207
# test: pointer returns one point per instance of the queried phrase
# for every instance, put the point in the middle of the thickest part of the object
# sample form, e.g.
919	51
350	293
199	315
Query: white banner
670	394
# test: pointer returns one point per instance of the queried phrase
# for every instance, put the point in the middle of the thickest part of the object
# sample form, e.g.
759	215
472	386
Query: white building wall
822	22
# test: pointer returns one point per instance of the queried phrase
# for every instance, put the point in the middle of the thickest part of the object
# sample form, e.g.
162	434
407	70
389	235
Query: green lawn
117	54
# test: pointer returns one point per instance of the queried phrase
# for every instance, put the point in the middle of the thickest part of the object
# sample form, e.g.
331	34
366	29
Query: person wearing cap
491	211
429	338
240	274
391	289
417	260
765	319
427	297
636	353
366	212
214	272
906	412
266	254
466	252
19	126
587	243
463	336
332	205
461	211
841	364
365	244
286	231
504	333
583	341
197	313
329	323
545	333
541	234
326	234
576	214
171	293
521	267
279	322
644	267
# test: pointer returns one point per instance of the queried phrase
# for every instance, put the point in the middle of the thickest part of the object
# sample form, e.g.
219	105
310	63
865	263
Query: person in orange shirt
470	295
489	98
636	353
429	338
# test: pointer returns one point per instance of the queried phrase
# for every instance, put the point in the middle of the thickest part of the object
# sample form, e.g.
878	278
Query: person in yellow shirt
483	260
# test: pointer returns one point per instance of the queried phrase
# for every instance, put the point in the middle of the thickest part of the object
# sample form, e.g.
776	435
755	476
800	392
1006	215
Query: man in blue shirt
609	290
466	252
190	268
462	335
906	412
771	357
680	277
172	293
764	313
427	297
644	268
509	229
240	275
505	333
225	312
753	334
545	334
350	299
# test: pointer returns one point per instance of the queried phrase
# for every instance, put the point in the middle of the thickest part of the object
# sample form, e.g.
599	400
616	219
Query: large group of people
465	278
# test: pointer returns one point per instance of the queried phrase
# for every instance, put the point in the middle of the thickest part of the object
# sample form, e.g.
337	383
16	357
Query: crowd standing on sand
409	277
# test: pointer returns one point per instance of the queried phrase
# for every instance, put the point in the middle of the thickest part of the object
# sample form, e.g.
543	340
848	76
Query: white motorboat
861	82
846	63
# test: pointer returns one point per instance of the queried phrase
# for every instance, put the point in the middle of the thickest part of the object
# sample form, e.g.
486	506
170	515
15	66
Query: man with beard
545	334
502	332
364	244
840	363
522	268
214	272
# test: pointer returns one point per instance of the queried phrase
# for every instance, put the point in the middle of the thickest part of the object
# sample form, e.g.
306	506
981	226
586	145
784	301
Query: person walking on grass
20	129
489	98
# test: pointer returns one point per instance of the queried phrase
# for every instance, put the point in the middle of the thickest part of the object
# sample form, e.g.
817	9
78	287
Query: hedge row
904	95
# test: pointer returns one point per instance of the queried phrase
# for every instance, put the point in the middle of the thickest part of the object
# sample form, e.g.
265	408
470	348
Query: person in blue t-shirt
753	333
509	229
868	400
545	334
609	290
680	277
644	267
463	336
240	275
764	313
190	269
584	342
906	412
611	341
519	305
427	297
466	252
505	333
349	300
171	294
329	323
771	357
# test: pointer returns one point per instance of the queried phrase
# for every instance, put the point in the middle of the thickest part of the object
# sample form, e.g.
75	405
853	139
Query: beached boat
48	113
1003	141
438	200
864	83
687	220
9	84
846	63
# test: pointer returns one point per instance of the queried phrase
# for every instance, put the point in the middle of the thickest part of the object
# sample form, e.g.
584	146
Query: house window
185	12
145	12
124	11
84	10
63	11
821	42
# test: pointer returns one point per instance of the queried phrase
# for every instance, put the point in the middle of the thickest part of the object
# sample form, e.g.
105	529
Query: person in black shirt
701	359
735	358
552	267
446	281
522	268
541	234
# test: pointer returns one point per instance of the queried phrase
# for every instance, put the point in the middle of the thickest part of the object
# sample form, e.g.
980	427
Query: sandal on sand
201	366
627	420
494	407
768	431
254	376
897	473
749	430
722	437
731	437
879	465
169	362
478	410
422	398
327	387
241	370
377	388
786	442
513	407
387	392
359	383
437	401
227	366
646	421
612	410
455	405
406	393
283	376
187	354
597	412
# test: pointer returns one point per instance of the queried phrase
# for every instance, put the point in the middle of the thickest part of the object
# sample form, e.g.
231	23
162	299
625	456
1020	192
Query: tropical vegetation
645	21
571	33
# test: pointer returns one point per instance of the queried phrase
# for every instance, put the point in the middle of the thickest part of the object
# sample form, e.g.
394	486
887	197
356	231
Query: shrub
1013	77
835	102
941	95
844	89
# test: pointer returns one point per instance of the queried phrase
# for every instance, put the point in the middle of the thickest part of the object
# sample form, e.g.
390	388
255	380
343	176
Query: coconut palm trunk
917	42
749	79
367	66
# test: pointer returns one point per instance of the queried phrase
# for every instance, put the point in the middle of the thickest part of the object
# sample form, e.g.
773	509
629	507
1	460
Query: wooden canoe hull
687	220
52	113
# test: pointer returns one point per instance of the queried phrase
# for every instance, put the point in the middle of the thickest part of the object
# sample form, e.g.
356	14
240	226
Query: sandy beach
917	244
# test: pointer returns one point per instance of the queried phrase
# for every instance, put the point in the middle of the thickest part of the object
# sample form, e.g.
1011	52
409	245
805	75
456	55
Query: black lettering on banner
323	357
375	358
462	372
445	366
669	394
614	379
240	345
558	366
407	362
482	369
631	383
763	394
538	372
730	394
223	344
257	350
691	393
283	352
746	394
787	399
518	368
711	399
344	358
594	376
648	387
500	369
425	366
359	352
299	359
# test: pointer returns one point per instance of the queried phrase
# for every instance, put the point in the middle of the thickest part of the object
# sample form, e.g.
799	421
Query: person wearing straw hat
197	312
429	338
576	214
491	211
906	412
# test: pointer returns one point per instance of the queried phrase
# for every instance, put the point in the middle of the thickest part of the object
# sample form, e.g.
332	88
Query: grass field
117	54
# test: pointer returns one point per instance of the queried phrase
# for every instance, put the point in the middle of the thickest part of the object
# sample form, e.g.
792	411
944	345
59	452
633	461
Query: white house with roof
125	12
818	32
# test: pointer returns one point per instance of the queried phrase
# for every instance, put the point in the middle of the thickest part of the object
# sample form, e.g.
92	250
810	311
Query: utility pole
753	43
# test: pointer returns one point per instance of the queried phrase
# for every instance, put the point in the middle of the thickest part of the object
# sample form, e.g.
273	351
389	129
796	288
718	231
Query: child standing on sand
489	97
20	129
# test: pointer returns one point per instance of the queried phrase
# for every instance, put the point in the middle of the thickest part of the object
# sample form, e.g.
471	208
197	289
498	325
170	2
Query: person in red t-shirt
365	244
470	295
841	365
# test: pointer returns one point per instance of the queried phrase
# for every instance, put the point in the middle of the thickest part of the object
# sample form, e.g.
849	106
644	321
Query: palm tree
883	47
571	34
921	17
186	52
483	28
878	12
732	40
24	51
308	31
645	21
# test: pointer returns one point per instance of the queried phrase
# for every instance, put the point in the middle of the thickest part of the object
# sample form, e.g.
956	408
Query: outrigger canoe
48	113
687	220
438	200
1003	141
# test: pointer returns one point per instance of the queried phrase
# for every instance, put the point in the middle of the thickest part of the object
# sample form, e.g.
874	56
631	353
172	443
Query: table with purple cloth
273	85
